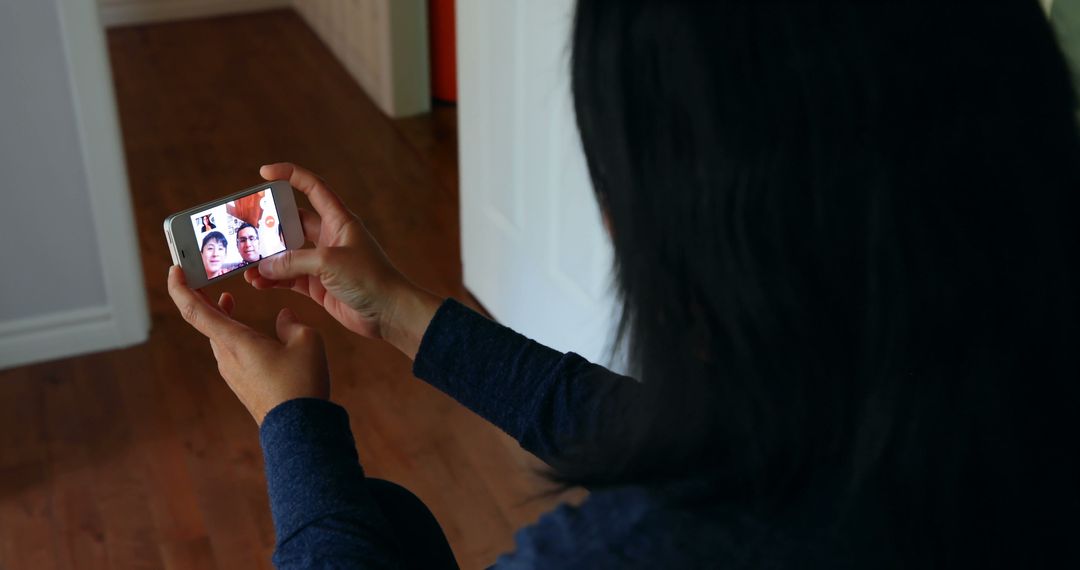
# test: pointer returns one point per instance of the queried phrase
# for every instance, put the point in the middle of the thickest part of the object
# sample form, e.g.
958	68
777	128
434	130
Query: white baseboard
61	335
130	12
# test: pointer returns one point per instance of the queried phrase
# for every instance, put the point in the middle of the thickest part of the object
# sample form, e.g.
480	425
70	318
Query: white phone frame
186	252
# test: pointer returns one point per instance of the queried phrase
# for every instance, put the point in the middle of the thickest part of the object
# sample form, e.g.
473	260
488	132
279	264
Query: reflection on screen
238	233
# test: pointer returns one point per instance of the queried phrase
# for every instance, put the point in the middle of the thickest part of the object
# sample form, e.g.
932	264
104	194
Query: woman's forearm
412	312
543	398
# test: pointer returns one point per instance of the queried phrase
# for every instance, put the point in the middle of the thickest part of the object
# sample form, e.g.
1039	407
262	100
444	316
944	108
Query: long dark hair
846	249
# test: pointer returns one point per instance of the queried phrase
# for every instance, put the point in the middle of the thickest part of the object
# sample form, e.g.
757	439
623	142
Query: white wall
45	197
120	12
70	280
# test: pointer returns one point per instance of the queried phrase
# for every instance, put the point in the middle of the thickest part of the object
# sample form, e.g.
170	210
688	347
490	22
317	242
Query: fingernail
264	268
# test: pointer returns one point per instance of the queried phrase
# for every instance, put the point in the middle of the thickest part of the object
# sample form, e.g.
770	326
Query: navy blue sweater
324	517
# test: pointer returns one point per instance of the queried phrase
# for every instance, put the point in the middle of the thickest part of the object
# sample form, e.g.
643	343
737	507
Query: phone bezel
185	251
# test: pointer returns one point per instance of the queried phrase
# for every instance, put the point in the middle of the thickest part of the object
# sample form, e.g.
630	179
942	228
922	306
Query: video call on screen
238	233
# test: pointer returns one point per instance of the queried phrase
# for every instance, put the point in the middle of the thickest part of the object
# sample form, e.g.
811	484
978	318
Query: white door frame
534	251
124	319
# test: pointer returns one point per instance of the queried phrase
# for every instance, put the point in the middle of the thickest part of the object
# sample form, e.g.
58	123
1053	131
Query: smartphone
218	239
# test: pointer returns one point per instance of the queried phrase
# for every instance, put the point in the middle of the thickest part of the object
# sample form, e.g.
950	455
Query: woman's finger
227	303
290	330
322	198
291	264
311	223
251	275
197	310
316	291
262	283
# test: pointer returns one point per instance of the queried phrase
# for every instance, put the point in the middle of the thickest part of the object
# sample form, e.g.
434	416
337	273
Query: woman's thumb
290	329
290	264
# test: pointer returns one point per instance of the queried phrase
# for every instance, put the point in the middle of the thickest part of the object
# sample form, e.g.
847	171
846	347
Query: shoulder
634	527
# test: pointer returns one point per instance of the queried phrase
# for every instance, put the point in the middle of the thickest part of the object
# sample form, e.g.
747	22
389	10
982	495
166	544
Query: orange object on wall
443	45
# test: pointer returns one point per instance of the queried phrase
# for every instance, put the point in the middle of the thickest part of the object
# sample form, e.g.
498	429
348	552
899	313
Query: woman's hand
347	272
262	371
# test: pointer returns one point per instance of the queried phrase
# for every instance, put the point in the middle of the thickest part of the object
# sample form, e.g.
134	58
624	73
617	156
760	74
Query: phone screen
238	233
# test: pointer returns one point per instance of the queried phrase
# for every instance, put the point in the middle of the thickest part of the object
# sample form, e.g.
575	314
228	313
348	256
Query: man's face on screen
247	240
213	254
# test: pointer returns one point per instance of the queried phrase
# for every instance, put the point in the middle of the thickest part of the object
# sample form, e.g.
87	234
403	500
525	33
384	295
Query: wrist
408	318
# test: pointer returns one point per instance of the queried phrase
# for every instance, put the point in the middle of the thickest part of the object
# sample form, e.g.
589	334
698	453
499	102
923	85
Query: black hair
846	251
247	225
215	236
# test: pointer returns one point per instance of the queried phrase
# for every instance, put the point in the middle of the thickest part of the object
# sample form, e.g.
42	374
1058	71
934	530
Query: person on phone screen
845	256
214	249
247	242
208	223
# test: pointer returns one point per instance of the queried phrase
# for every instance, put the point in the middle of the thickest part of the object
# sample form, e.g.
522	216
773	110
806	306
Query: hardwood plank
78	529
194	553
434	138
118	475
203	405
25	500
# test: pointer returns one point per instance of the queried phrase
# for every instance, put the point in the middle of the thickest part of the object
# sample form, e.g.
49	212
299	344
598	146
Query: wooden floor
143	458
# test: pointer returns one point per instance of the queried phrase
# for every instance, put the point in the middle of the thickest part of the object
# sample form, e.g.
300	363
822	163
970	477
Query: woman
847	258
207	223
214	249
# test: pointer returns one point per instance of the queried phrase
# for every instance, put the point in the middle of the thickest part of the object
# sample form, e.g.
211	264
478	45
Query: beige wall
119	12
383	44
